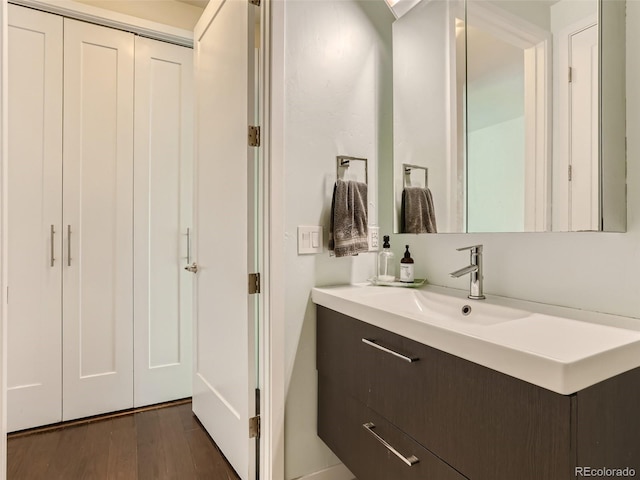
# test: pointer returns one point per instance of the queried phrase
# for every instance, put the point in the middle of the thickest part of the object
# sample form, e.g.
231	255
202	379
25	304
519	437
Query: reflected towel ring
407	168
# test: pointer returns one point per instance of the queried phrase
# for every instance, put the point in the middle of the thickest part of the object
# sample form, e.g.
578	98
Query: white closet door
35	207
97	220
163	203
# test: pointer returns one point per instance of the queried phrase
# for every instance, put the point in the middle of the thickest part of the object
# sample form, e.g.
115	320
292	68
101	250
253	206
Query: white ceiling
195	3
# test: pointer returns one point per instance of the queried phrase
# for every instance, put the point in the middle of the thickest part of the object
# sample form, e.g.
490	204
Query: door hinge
570	173
254	283
254	136
570	74
255	2
254	427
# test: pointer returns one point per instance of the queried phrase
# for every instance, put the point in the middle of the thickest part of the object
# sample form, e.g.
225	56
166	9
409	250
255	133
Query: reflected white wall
496	177
425	104
495	134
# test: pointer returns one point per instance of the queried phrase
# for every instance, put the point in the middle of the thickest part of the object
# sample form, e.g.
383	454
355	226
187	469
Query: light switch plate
309	240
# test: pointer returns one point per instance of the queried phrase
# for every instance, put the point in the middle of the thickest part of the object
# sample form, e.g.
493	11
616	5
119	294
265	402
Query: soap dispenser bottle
386	263
406	267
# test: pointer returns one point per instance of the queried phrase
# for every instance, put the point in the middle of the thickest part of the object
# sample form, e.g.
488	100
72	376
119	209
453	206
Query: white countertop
561	349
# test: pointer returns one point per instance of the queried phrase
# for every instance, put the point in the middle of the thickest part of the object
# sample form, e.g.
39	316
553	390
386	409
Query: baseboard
337	472
97	418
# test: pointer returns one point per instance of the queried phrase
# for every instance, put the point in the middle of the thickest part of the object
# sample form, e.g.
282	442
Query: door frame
3	237
272	375
272	332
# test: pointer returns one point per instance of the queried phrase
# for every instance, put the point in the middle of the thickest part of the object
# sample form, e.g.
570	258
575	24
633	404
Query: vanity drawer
358	435
366	360
489	425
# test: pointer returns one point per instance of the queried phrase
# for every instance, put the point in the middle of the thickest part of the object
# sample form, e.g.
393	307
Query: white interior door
584	184
224	373
163	205
97	220
34	346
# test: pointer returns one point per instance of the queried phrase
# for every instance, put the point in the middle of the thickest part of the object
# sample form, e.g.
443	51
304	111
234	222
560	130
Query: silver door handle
411	461
373	344
193	268
188	246
53	248
68	245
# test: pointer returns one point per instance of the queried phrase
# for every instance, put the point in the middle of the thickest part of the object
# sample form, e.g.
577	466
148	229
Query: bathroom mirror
512	114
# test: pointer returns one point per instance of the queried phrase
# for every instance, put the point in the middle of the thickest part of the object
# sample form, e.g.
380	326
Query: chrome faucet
474	270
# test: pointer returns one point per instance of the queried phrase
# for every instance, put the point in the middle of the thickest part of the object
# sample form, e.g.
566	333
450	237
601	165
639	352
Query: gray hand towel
417	212
348	232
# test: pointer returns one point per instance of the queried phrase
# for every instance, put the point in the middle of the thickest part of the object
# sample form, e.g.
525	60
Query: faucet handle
473	248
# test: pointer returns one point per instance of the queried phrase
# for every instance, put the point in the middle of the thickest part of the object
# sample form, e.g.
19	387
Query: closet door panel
98	220
35	206
163	198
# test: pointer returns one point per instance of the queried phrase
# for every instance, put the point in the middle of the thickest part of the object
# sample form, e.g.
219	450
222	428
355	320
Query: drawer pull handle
386	350
411	461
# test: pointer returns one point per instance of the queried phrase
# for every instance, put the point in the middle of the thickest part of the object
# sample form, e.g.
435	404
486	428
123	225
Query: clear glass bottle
386	263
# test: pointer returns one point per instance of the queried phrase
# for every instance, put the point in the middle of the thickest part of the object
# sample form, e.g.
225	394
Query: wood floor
166	443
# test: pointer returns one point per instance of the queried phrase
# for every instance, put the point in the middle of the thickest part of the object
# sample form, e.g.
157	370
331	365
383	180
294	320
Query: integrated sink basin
561	349
434	307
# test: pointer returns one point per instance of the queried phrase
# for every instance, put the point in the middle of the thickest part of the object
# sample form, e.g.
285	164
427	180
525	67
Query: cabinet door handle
188	245
68	245
411	461
53	248
373	344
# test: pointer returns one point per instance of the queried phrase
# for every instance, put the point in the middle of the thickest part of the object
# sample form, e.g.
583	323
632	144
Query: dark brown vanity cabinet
386	401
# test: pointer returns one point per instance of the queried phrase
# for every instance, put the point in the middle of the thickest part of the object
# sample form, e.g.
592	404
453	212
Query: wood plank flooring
166	443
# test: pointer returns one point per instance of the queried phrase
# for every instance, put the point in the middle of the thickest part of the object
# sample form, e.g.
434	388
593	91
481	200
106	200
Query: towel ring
342	161
406	168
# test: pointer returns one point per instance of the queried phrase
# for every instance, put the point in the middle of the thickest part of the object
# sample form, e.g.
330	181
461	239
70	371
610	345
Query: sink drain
466	310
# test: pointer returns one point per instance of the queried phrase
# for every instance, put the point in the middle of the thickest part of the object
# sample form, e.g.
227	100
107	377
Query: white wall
495	133
567	12
168	12
592	271
496	177
338	102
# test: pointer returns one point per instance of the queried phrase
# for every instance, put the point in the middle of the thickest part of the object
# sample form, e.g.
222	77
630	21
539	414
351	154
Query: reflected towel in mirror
417	213
348	232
